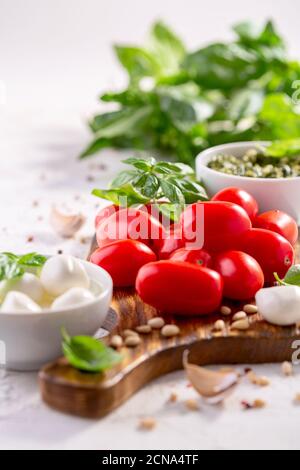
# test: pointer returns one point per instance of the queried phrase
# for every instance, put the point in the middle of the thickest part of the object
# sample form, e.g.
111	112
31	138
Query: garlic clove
209	384
66	225
17	302
75	297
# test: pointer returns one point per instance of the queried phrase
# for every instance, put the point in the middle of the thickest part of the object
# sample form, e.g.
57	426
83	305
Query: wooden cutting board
95	395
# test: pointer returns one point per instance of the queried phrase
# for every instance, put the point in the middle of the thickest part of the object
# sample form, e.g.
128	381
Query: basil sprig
88	354
292	277
150	181
14	266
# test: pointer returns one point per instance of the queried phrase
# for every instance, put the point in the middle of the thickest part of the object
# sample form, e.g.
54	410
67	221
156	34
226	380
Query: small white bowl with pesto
270	172
39	296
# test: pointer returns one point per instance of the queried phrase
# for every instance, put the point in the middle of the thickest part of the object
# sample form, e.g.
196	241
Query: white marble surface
38	168
55	59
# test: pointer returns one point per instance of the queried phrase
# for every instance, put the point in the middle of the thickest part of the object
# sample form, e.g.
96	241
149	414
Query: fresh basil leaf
168	49
293	276
279	118
170	211
103	121
32	260
137	61
245	103
283	148
151	186
172	192
167	168
124	177
126	195
88	354
140	164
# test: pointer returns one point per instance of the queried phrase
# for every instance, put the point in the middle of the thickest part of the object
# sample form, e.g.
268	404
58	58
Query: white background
55	59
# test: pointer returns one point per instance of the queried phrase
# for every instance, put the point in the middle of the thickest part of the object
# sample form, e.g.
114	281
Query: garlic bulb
74	297
279	305
62	272
17	302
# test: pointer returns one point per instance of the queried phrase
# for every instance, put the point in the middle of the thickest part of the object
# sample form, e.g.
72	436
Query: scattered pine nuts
250	309
168	331
144	329
132	341
225	310
127	333
147	424
287	369
241	325
116	341
219	325
156	323
256	380
239	316
192	405
257	404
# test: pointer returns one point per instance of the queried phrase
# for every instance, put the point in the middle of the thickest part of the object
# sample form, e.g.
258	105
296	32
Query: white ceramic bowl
31	340
279	193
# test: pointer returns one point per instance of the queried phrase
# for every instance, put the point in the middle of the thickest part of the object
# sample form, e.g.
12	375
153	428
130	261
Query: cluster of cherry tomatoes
239	253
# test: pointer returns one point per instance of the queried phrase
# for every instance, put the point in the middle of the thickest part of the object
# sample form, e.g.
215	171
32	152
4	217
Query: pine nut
147	424
192	405
256	380
239	316
168	331
116	341
241	325
156	323
225	310
219	325
144	329
259	404
127	333
173	397
132	341
287	369
250	309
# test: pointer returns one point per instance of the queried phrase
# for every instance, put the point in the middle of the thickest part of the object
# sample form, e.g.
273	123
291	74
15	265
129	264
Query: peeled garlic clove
17	302
279	305
66	225
28	284
74	297
62	272
209	383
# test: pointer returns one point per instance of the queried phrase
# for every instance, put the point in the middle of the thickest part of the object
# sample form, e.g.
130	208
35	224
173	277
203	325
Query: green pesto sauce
256	165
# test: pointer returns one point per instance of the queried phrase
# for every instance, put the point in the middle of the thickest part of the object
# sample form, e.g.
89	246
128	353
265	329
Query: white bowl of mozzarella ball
67	292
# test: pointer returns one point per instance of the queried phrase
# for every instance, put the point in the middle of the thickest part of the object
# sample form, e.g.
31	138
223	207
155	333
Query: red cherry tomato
279	222
242	275
199	257
221	223
131	224
106	212
180	288
241	198
273	252
122	260
172	243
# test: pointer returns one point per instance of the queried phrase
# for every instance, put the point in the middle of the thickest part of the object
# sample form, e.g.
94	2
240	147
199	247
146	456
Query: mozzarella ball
28	284
62	272
73	298
17	302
